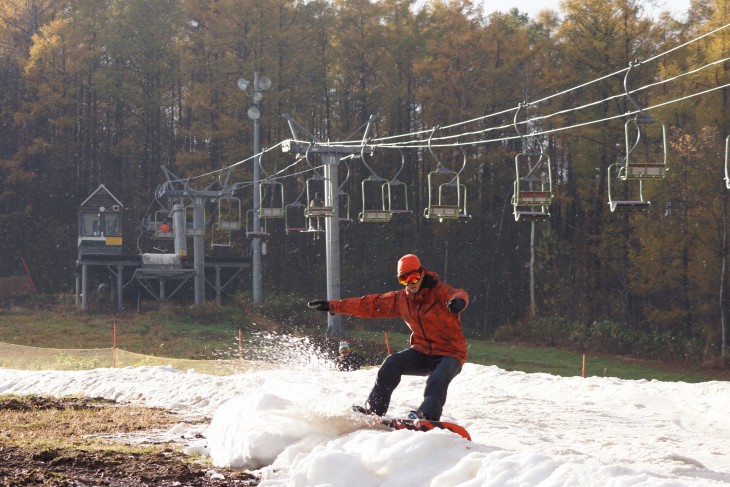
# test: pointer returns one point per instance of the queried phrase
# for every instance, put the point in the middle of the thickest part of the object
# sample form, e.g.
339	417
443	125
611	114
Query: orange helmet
408	263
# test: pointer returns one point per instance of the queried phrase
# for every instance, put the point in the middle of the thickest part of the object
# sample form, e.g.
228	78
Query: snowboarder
431	309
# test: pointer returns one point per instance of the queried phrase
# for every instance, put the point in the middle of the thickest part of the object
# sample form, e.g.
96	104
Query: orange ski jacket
435	329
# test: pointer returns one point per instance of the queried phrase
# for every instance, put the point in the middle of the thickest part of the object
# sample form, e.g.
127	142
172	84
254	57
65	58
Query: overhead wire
386	142
536	102
421	143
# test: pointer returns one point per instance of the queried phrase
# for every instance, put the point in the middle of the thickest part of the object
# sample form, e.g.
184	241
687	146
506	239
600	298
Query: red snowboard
421	425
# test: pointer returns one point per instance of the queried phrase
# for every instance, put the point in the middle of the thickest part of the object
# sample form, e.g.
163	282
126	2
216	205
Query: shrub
603	336
549	330
291	310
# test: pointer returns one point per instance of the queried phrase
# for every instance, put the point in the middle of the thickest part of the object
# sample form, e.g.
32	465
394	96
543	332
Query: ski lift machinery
645	139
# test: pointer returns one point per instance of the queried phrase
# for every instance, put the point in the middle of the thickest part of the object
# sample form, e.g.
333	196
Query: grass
43	423
210	332
202	333
553	361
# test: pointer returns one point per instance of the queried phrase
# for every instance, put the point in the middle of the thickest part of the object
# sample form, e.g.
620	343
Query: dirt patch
65	442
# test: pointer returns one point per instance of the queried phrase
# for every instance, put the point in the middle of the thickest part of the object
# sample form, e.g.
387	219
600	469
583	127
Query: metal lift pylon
303	142
176	187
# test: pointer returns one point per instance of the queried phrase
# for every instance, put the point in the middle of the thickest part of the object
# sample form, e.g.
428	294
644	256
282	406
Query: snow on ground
294	428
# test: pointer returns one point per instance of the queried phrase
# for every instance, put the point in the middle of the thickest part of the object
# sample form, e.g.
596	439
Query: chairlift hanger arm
261	166
371	120
525	146
402	166
373	174
642	116
514	121
463	164
439	164
727	161
347	165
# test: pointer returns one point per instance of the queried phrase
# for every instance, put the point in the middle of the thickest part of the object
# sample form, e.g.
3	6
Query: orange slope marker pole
115	344
387	343
583	373
30	278
240	345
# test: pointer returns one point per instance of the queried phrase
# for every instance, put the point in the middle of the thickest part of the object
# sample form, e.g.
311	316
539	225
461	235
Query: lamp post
259	84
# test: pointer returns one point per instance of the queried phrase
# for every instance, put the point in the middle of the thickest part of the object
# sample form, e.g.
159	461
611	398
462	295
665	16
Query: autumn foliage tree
107	92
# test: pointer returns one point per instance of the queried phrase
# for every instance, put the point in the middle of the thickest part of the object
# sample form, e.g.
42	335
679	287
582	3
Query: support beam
199	250
256	268
218	284
178	227
332	244
84	288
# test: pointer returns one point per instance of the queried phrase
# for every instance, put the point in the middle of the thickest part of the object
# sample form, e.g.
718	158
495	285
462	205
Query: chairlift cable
419	143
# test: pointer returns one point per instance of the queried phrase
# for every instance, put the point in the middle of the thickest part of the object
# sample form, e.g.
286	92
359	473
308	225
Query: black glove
319	305
456	305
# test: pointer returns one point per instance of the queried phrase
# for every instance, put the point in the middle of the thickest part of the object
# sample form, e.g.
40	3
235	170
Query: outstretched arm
369	306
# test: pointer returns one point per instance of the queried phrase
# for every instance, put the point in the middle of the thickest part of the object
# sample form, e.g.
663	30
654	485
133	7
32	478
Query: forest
110	91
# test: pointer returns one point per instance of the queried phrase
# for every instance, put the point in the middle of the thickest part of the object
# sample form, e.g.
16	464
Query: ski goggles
409	277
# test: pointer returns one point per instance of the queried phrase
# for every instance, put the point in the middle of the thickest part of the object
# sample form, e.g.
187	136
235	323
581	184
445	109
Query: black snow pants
439	369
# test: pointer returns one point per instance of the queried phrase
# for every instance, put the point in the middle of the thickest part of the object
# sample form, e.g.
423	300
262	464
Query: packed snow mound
294	426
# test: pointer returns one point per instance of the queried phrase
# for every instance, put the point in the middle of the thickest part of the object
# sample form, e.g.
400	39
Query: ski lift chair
252	232
229	213
399	196
532	194
445	198
625	205
274	192
370	213
190	229
160	217
316	208
294	218
653	161
443	205
344	202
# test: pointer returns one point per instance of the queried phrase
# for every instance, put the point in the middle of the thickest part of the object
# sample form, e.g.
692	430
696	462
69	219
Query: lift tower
331	153
178	189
